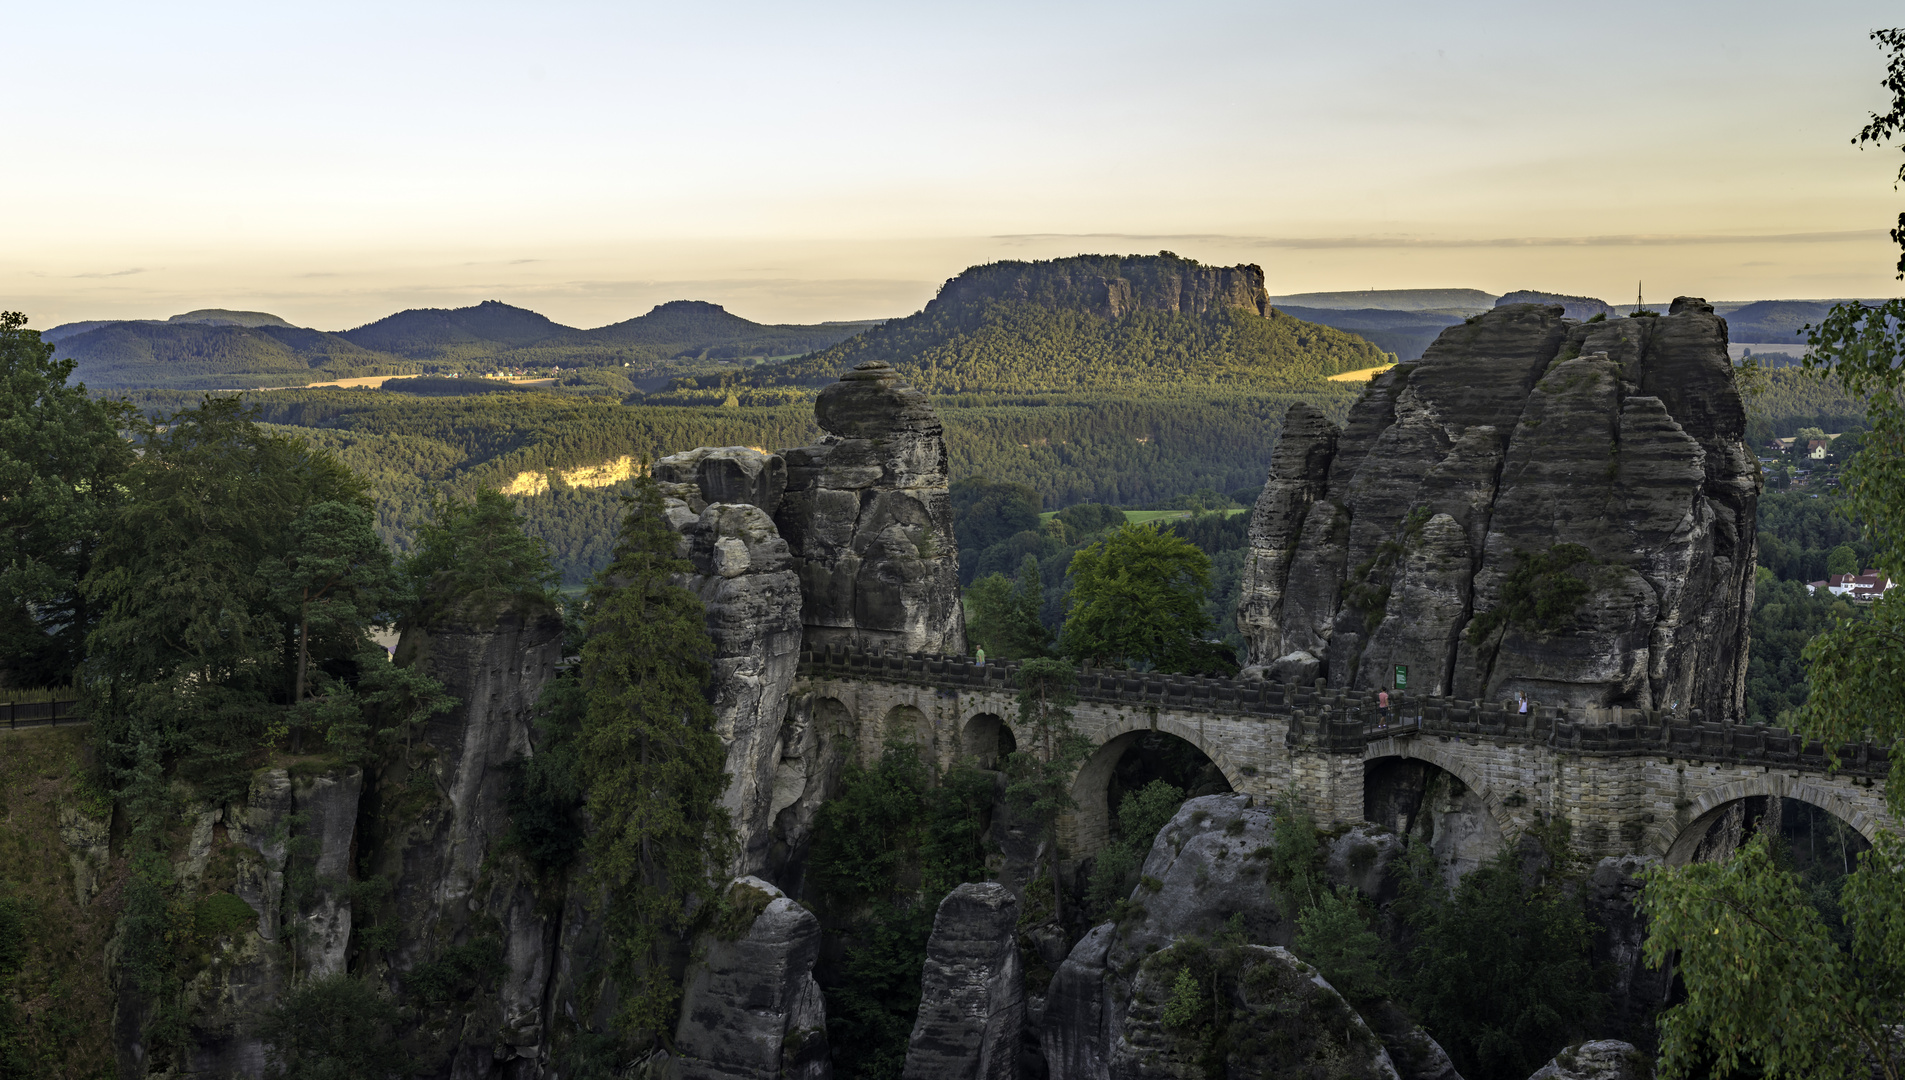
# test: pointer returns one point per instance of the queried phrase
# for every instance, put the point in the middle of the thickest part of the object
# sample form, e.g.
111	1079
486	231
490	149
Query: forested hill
1094	323
215	349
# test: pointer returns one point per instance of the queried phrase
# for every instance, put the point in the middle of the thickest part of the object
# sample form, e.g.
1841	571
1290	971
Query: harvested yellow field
583	476
1361	374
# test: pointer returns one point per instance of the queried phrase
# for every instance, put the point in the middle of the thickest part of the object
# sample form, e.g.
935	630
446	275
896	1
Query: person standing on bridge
1521	697
1382	709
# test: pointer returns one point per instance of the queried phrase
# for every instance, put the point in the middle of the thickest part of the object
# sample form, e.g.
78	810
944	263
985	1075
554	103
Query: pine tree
652	759
61	457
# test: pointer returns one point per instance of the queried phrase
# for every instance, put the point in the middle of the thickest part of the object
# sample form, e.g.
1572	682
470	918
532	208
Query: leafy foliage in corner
651	761
1767	987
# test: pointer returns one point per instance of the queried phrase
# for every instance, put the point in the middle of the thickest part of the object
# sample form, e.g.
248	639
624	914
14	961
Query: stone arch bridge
1626	781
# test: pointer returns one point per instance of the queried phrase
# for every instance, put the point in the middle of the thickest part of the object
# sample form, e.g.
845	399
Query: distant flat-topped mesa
1539	506
1112	285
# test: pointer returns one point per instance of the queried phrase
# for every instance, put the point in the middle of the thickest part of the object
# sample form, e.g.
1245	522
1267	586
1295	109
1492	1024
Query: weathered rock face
869	522
1602	1059
1111	286
441	821
300	829
1210	869
817	738
1271	1015
972	1003
1636	990
1299	470
1518	431
728	474
750	1008
746	582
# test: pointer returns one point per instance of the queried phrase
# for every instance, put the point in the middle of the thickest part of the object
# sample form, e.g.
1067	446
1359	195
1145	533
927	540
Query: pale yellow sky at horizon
589	161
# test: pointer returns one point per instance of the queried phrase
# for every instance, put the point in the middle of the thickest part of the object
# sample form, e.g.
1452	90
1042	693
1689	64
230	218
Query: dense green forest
1069	449
1018	347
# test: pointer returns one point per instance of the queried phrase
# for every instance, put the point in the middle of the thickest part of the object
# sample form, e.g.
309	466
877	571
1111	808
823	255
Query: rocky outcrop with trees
1542	506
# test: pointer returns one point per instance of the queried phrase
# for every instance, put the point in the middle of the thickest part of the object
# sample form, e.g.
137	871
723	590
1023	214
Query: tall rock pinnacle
1526	456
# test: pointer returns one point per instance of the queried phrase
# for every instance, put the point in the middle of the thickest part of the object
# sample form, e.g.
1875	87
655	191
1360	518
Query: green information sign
1402	677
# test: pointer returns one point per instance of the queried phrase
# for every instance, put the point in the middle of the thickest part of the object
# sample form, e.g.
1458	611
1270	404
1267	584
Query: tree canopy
61	456
1138	598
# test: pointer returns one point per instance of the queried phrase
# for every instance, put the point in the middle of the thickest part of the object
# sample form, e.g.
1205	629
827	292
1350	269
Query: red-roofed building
1859	588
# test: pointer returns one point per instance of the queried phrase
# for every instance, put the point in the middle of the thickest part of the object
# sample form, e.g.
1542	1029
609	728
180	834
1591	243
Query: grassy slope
63	986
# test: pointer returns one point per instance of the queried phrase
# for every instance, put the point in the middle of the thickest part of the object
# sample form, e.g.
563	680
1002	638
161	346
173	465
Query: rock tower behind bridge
847	543
1599	465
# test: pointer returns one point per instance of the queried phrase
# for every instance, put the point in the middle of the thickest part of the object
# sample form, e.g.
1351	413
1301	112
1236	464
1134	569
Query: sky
334	163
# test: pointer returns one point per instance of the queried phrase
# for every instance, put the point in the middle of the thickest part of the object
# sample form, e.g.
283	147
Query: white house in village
1859	588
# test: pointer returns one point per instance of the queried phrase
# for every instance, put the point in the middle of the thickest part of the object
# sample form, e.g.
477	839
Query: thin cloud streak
1351	242
113	273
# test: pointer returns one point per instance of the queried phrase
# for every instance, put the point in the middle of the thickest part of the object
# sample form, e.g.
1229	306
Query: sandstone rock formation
1636	990
1207	867
869	522
728	474
441	828
1206	878
1573	307
1603	1059
745	579
1443	509
1111	286
1269	1014
750	1008
972	1002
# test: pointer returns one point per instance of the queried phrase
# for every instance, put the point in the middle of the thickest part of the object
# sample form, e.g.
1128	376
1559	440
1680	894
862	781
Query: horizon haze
840	162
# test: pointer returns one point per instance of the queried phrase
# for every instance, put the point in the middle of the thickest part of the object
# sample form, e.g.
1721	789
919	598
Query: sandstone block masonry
1403	540
1628	781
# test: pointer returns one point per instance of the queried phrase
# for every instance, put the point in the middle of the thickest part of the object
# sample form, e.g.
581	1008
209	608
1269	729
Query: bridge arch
987	737
906	723
1092	820
1715	801
1416	750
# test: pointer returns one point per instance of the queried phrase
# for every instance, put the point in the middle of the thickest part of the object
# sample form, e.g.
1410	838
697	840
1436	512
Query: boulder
1602	1059
1517	431
1414	1052
750	1009
972	1003
868	520
728	474
1246	1010
1205	867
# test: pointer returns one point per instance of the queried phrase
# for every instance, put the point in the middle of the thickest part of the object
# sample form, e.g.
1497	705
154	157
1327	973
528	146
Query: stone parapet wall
1624	782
